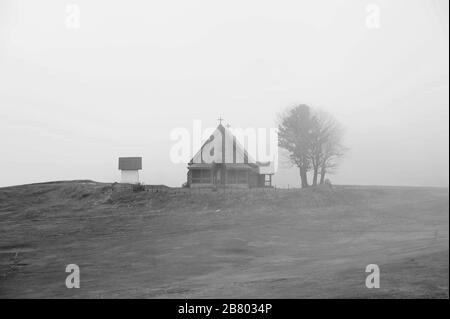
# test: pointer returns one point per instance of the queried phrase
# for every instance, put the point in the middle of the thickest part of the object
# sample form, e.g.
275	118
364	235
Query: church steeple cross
220	119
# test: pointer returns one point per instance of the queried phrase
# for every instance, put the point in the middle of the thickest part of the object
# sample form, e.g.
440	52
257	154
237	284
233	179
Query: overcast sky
74	99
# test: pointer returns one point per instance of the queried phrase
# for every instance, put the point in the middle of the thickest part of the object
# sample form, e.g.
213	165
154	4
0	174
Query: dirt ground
177	243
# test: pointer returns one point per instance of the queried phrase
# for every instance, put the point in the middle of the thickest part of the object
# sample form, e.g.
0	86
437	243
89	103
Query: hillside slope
261	243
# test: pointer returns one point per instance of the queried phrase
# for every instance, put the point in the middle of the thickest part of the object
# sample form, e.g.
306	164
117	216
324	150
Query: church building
223	162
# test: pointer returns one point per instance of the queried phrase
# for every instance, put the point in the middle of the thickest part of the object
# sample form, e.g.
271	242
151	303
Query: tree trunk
322	175
303	177
315	174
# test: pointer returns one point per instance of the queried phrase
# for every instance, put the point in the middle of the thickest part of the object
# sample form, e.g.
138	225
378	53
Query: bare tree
294	135
313	140
318	138
333	151
326	144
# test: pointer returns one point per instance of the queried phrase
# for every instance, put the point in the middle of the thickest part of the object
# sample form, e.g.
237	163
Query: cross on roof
220	119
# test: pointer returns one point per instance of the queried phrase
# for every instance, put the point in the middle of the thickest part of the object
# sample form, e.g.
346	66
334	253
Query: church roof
222	147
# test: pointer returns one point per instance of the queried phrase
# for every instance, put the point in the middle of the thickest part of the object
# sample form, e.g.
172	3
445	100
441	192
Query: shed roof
130	163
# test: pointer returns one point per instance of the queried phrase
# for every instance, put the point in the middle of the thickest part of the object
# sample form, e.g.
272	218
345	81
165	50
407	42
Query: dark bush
138	188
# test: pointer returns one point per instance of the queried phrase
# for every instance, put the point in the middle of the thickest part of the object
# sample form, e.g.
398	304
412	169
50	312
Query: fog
75	98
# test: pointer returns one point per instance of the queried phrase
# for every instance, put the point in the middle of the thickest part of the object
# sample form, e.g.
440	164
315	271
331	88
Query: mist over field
187	243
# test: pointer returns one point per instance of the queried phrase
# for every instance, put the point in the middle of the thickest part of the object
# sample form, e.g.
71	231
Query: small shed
129	167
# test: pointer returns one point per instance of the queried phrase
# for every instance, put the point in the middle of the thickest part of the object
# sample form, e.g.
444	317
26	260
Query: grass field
175	243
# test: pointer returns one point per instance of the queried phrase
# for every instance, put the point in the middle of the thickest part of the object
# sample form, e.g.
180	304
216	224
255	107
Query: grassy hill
179	243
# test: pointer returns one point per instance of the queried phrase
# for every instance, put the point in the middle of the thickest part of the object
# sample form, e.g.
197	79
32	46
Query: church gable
222	147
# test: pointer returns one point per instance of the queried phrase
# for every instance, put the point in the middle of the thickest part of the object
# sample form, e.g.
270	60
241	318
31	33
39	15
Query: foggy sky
73	100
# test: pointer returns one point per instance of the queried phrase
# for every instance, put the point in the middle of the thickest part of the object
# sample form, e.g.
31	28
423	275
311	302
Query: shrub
138	188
